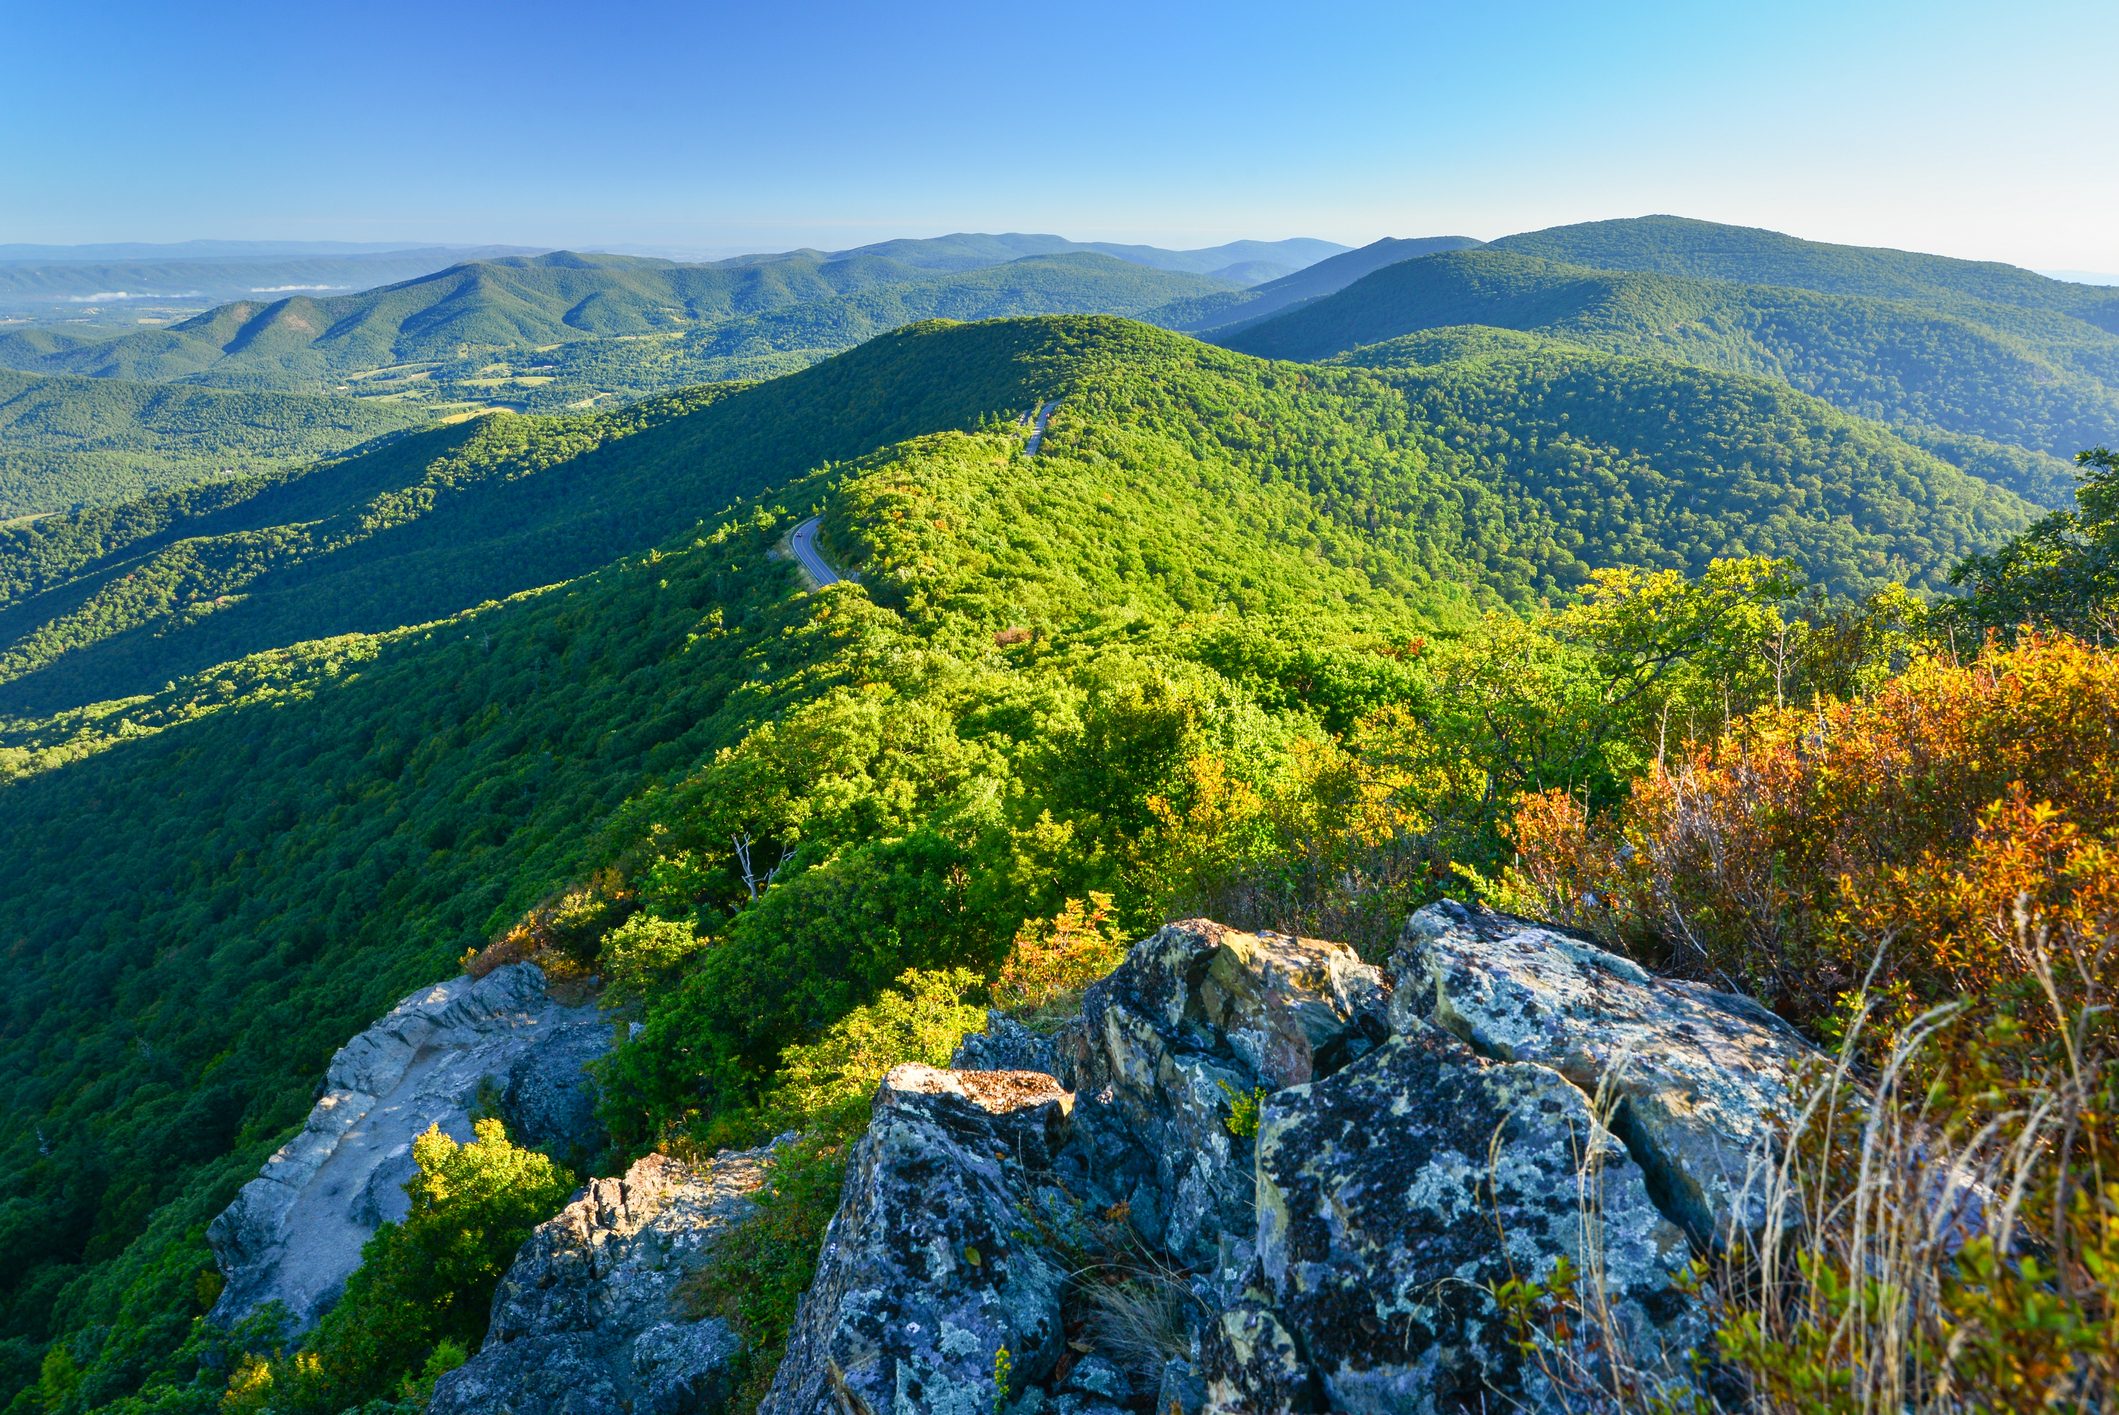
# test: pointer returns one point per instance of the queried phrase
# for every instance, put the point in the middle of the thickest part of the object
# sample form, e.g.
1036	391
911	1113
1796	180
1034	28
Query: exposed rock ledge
294	1233
589	1318
1423	1131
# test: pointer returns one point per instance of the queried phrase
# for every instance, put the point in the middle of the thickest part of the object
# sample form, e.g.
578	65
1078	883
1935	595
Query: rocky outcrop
1686	1076
1395	1195
934	1263
1262	1175
294	1233
590	1318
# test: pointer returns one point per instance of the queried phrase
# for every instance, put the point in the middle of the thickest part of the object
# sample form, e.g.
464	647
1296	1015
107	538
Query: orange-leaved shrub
1800	850
1052	960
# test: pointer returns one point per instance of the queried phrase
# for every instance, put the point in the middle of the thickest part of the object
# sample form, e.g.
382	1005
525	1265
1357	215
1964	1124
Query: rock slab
294	1233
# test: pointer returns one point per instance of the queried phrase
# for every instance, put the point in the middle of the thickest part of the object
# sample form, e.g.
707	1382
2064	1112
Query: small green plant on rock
1242	1119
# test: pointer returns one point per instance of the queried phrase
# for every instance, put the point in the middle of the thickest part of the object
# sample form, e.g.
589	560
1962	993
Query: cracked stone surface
1691	1076
591	1317
1498	1098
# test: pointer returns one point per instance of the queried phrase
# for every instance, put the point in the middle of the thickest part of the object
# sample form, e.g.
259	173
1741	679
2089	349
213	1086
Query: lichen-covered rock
294	1233
1423	1134
590	1317
1394	1194
1005	1045
1196	1020
1252	1363
1691	1076
930	1267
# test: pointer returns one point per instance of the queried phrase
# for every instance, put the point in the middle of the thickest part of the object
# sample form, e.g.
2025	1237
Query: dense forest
2040	380
65	442
1516	476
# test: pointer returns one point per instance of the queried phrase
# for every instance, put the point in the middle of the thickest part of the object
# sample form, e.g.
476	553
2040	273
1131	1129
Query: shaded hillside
1236	308
1421	497
1887	360
66	441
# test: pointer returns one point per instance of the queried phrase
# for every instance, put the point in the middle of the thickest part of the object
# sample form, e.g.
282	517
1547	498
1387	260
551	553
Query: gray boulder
590	1317
1689	1077
1502	1097
932	1264
1197	1021
1396	1193
294	1233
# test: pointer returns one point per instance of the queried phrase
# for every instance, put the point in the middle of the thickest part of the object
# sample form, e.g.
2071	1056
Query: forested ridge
1518	476
2041	378
66	441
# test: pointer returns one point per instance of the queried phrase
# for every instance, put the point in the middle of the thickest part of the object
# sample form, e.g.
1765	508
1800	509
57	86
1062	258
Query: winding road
804	545
803	542
1037	432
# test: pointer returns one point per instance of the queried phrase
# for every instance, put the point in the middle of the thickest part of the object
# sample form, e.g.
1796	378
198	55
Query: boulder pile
1254	1174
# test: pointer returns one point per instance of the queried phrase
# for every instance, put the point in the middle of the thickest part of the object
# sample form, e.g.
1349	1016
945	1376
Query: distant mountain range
2003	371
532	302
120	284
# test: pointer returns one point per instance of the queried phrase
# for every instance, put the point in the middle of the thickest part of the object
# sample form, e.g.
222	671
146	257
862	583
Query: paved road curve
1037	433
804	544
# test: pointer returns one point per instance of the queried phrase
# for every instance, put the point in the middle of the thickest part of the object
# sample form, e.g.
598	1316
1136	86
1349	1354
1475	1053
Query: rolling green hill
69	441
1943	377
1240	307
536	301
1675	245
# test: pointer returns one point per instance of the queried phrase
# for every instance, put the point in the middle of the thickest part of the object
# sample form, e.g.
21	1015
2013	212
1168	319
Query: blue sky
1971	130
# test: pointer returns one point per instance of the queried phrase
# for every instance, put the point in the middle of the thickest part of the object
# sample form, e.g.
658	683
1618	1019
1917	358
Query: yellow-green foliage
420	1299
826	1085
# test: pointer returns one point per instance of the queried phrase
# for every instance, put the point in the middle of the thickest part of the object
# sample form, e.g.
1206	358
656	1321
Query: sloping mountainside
1675	245
1247	262
1954	384
1518	474
1238	307
304	740
67	441
553	299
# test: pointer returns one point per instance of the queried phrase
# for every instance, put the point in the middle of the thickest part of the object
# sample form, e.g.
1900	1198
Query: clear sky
1976	130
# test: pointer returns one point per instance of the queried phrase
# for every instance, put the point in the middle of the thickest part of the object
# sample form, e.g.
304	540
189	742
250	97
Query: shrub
1929	878
826	1085
1053	958
644	953
422	1294
1799	851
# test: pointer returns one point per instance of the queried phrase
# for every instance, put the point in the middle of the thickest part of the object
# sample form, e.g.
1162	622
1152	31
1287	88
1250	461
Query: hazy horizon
715	128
